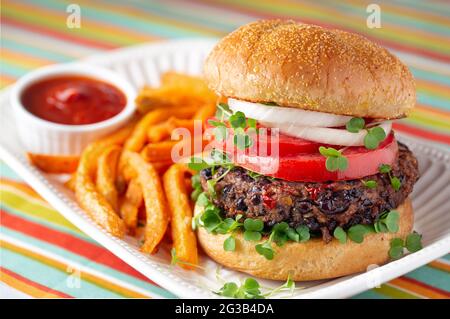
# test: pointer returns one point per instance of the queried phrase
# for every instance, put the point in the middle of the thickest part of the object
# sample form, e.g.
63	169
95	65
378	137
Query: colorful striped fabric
44	255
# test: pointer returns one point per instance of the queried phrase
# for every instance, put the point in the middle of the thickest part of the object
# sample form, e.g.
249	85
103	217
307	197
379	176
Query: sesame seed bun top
312	68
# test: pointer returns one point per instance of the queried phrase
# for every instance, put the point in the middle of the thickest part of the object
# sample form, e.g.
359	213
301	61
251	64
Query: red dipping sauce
73	100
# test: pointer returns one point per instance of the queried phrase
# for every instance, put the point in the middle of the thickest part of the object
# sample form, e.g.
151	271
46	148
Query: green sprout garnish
412	243
223	111
370	183
251	289
176	261
387	222
220	130
253	229
355	125
335	160
229	244
340	235
396	250
356	233
242	126
265	249
197	164
374	137
395	182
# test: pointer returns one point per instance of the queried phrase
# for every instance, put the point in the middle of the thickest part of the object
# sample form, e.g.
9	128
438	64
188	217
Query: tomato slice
310	167
300	160
289	145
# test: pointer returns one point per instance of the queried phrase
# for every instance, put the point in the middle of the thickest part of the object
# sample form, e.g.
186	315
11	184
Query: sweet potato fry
163	130
175	90
139	135
106	174
188	184
86	193
162	151
157	215
70	183
130	205
191	86
57	164
157	133
151	98
158	152
89	198
173	123
184	240
161	167
119	137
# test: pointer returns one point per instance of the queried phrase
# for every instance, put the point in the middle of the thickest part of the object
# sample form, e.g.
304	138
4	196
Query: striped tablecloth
44	255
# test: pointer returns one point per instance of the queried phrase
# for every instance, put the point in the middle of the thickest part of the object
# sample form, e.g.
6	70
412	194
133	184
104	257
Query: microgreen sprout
242	127
253	229
223	112
374	137
371	184
412	243
219	158
340	235
335	160
395	182
197	164
220	130
251	289
355	124
387	222
397	247
265	249
288	285
229	244
356	233
196	187
176	261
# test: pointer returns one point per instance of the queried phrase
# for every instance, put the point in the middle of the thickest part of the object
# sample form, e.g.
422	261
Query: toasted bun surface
312	260
312	68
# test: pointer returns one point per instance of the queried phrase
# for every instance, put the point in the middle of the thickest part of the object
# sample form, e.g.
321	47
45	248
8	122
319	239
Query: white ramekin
44	137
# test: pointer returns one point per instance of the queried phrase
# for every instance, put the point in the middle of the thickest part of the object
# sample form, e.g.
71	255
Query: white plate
143	65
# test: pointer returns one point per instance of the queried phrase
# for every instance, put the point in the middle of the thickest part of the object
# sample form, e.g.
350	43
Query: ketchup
73	100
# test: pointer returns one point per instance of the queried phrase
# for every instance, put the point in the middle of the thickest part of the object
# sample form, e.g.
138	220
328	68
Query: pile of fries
127	181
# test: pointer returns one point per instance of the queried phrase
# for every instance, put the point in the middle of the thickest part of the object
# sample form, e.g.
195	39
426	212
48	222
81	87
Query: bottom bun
312	260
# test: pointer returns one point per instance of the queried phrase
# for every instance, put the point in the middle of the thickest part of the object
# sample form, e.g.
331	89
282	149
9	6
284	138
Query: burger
334	196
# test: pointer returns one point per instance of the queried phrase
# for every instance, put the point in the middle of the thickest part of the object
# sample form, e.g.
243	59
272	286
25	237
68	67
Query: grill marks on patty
320	206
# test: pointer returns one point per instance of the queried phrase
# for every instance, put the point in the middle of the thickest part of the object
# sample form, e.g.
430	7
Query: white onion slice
328	135
279	116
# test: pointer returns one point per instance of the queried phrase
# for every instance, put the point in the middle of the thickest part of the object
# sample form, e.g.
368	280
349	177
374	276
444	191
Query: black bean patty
320	206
